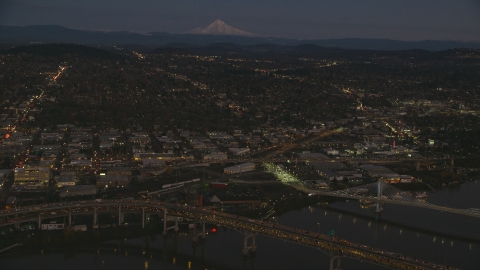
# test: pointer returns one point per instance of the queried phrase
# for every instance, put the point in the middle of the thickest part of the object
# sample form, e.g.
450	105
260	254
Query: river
440	237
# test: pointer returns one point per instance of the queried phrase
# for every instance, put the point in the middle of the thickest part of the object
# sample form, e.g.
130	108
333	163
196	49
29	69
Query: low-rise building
81	164
153	163
82	190
165	156
245	167
113	181
119	171
331	176
32	175
215	156
407	179
238	151
381	172
67	178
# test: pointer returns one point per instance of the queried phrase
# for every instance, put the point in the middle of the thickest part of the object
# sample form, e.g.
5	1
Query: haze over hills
23	35
219	27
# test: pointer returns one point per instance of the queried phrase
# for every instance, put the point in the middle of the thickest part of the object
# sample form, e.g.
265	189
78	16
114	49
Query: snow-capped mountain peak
219	27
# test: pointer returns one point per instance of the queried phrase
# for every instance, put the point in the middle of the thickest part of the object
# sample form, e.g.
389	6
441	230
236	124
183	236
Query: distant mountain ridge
22	35
219	27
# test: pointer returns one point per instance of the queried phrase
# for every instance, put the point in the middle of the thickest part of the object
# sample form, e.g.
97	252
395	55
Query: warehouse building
113	181
31	176
245	167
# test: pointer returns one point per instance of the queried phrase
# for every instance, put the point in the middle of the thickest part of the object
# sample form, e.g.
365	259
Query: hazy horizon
305	19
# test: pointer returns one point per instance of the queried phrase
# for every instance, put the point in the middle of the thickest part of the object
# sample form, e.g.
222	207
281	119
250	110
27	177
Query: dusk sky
301	19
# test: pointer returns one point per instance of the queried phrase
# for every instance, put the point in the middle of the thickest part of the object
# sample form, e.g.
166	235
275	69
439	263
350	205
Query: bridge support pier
332	263
145	217
95	216
378	207
165	219
195	238
247	247
203	234
39	221
119	215
175	229
17	226
69	217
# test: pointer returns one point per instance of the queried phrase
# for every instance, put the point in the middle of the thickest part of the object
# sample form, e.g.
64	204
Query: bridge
392	195
335	247
379	193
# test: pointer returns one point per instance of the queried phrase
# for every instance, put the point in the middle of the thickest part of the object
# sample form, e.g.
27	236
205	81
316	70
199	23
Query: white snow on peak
219	27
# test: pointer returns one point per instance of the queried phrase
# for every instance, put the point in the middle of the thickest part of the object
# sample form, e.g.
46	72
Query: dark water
440	237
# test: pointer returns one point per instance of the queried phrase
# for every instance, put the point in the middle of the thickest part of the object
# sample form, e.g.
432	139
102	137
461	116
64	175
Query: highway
379	160
330	245
298	143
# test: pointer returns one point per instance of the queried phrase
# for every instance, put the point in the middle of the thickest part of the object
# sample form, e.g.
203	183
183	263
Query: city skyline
406	20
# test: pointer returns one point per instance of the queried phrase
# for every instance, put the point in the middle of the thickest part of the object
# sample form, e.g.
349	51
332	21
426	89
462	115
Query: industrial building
113	181
82	190
245	167
119	171
215	156
381	172
238	151
66	178
31	176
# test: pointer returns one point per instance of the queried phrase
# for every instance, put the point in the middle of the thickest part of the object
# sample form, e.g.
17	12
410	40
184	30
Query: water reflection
223	249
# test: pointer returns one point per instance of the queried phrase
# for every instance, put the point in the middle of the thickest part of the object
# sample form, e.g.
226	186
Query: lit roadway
378	160
330	245
302	141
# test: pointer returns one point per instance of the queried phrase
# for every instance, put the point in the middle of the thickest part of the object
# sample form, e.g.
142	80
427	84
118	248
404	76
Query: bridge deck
329	245
465	212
